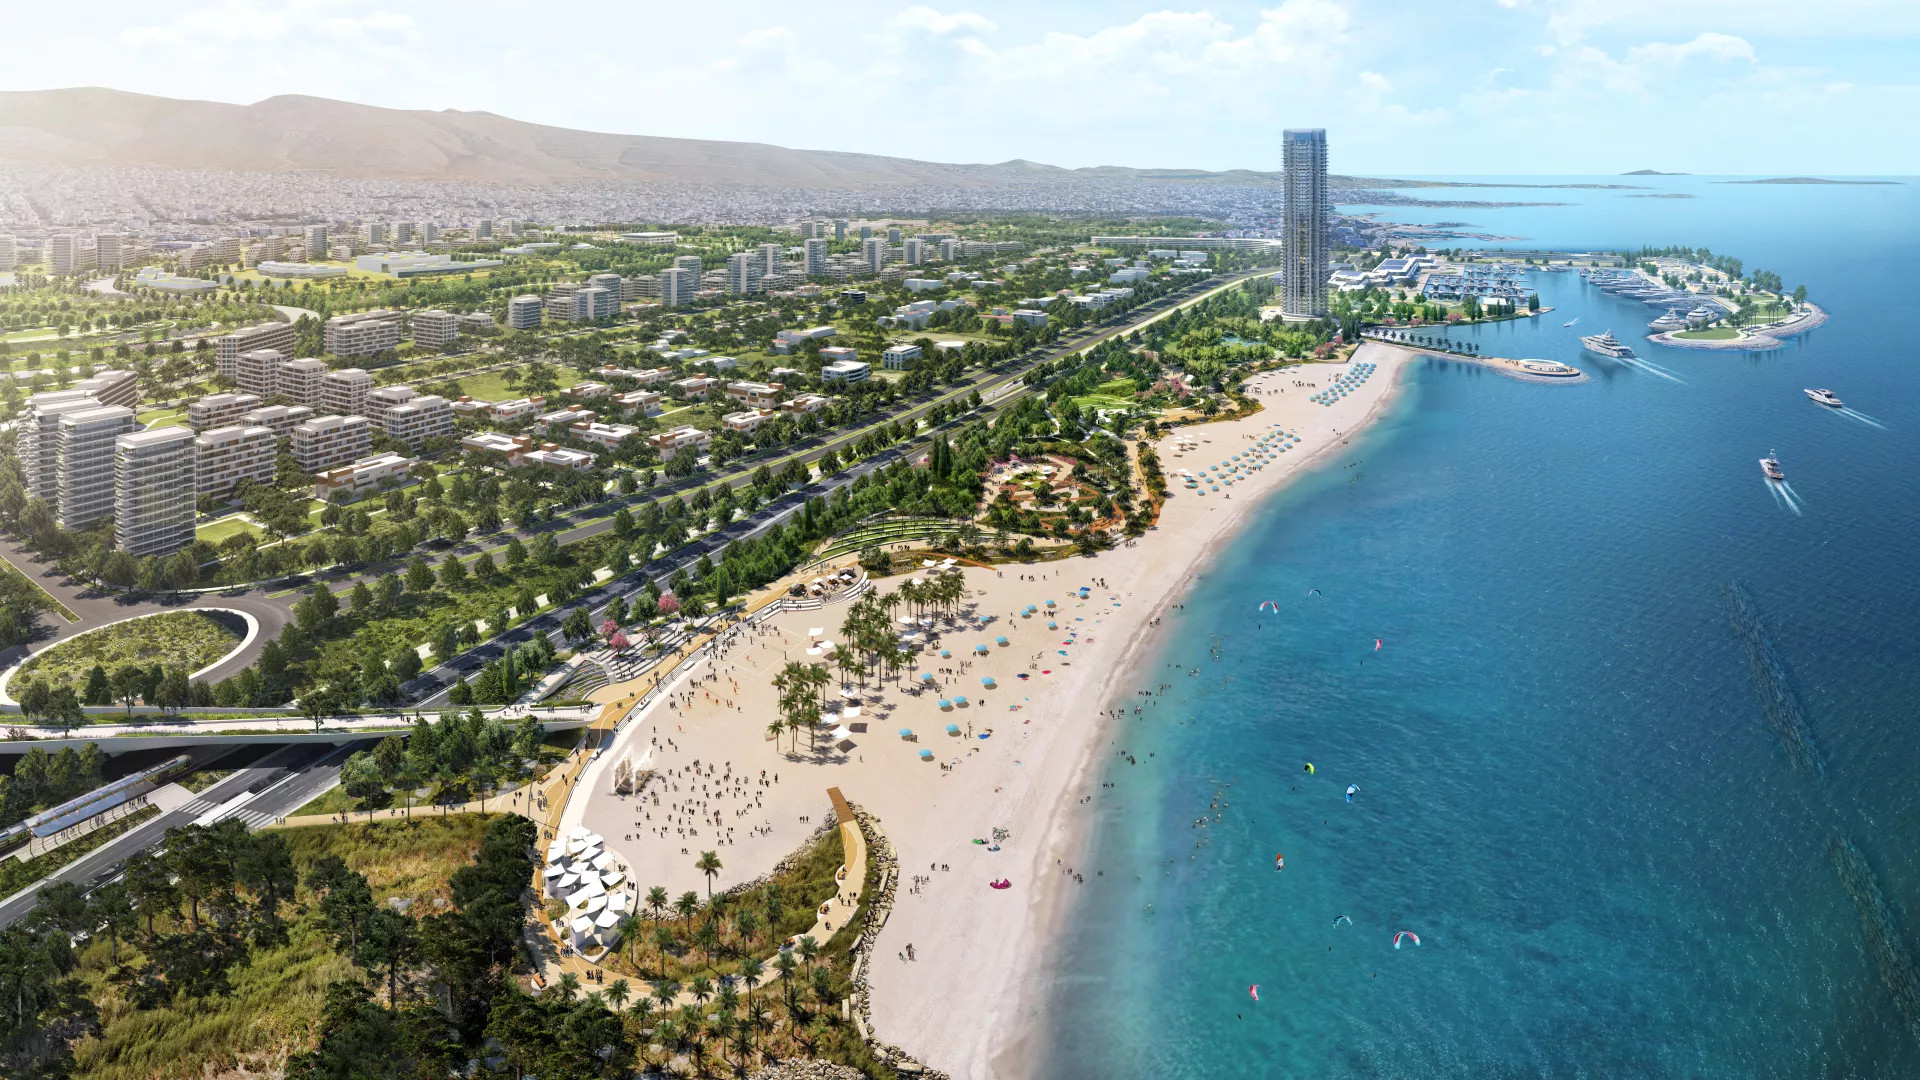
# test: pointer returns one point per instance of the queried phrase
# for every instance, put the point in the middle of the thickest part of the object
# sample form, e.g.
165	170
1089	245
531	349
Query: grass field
228	527
492	385
277	994
190	639
1718	333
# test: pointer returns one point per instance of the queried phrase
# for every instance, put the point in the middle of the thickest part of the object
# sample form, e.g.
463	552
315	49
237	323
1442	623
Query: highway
285	780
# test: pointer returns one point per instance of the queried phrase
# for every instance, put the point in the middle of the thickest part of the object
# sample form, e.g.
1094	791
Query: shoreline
1757	339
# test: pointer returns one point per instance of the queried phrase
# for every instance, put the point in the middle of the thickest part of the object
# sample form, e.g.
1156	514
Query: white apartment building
610	282
344	392
516	409
7	253
513	446
676	287
39	439
897	357
773	260
553	456
476	322
219	410
362	476
86	462
916	252
112	387
565	418
362	333
154	490
327	441
596	302
523	313
607	435
668	443
697	386
816	259
225	456
258	371
806	403
649	376
301	380
63	254
279	419
647	401
743	273
588	390
434	328
874	252
228	347
846	371
410	416
759	395
107	252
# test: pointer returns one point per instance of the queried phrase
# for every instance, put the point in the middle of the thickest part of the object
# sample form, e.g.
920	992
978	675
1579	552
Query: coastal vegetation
465	755
100	664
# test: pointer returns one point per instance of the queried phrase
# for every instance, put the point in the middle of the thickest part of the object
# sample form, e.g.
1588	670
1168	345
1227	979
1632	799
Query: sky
1404	88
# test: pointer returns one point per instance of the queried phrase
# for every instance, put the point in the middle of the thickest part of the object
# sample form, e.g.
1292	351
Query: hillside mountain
95	126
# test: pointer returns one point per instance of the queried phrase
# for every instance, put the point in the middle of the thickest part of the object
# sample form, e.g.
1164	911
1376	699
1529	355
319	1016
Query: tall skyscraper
816	257
1304	281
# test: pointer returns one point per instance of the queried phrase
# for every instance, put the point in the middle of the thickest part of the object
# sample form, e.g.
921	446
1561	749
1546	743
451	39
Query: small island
1653	172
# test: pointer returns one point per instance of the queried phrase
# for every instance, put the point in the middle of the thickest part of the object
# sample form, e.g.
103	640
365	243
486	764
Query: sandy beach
1017	759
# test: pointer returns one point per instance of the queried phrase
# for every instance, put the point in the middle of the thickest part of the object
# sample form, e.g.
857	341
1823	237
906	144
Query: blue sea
1574	785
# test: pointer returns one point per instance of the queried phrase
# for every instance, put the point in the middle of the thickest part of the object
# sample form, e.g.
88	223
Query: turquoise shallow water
1570	787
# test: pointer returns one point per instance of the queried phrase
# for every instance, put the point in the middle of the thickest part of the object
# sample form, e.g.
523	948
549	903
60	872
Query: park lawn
334	800
492	385
161	417
227	527
189	639
1717	333
277	993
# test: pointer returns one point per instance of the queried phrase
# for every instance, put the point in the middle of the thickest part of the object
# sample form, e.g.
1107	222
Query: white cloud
921	17
1711	46
1376	82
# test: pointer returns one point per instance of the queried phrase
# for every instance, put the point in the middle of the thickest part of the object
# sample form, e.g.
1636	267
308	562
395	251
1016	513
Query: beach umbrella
946	654
953	729
945	704
1001	640
986	680
980	648
959	699
1050	603
926	755
906	733
926	676
1051	625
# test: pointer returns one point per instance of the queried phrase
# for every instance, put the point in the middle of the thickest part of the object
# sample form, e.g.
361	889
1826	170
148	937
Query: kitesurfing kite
1254	991
1265	604
1338	919
1309	768
1352	789
1376	644
1315	592
1280	861
1405	934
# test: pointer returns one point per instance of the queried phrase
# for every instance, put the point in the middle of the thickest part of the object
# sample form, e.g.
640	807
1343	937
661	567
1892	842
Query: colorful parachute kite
1309	768
1376	644
1265	604
1254	991
1405	934
1280	861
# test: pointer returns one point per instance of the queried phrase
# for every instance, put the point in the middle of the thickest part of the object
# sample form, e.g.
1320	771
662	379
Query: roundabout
202	639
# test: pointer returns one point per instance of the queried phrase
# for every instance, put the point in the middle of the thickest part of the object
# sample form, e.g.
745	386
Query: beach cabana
612	879
851	712
816	631
582	928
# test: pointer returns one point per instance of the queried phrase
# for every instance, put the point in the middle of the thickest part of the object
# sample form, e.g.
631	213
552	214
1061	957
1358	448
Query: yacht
1825	397
1771	466
1670	321
1606	344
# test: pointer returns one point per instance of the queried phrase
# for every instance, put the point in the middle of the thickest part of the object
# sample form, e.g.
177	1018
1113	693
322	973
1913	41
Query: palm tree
619	993
709	864
688	903
808	948
663	991
751	971
701	989
568	986
785	965
629	931
657	900
662	941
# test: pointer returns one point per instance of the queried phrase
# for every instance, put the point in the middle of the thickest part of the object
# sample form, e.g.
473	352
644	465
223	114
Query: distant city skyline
1475	87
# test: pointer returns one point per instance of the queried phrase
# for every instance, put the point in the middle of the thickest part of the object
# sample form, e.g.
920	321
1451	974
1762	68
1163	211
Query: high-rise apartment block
344	392
300	380
523	313
7	254
873	252
279	419
403	232
38	435
258	371
219	410
316	237
816	257
363	333
483	229
893	236
773	259
409	416
86	462
916	252
228	347
372	233
227	455
63	253
1303	285
324	442
434	328
743	273
677	285
106	252
154	490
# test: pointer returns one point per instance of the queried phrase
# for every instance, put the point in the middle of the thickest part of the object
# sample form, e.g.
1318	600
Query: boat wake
1860	416
1793	500
1877	926
1570	322
1770	679
1652	368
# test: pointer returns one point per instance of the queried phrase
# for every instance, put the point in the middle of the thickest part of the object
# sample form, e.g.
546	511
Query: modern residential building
676	287
152	277
410	416
646	401
39	440
301	380
816	257
316	237
373	232
562	419
106	252
649	376
806	403
434	328
833	354
225	456
112	387
86	462
785	341
327	441
63	254
523	313
363	333
743	273
219	410
1029	317
228	347
745	422
588	390
276	268
610	282
669	443
846	371
873	251
7	253
507	412
696	386
514	447
756	394
154	490
597	302
344	392
258	371
1308	213
554	456
897	357
279	419
607	435
773	260
476	322
362	476
916	252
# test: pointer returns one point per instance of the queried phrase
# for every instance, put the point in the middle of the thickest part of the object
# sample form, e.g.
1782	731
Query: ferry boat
1606	344
1825	397
1771	466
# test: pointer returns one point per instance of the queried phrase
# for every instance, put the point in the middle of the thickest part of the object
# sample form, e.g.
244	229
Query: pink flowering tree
669	604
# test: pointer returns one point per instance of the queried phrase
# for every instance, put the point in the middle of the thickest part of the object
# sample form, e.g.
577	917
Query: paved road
315	770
